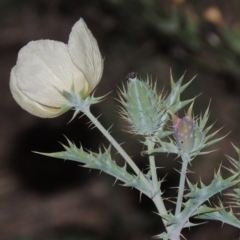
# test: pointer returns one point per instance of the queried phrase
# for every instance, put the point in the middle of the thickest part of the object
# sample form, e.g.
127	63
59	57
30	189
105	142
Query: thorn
140	199
115	182
81	115
92	127
179	171
182	236
74	115
99	116
89	123
222	224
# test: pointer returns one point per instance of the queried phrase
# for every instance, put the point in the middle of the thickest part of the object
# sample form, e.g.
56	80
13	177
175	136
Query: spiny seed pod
142	107
184	130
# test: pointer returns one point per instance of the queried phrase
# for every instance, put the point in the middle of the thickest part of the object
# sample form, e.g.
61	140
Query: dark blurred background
45	198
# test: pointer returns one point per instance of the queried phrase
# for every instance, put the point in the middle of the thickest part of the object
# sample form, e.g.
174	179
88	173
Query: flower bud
46	67
184	131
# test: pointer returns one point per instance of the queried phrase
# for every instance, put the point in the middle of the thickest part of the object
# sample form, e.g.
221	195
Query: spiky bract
201	140
77	101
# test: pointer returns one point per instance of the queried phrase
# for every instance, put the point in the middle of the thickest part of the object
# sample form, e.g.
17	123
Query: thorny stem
185	160
121	151
157	199
155	189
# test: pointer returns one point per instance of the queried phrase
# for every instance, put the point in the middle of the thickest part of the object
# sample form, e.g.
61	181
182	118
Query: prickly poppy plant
52	77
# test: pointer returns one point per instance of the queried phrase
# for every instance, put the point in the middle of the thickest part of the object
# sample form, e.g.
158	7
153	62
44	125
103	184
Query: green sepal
172	102
176	89
77	102
181	104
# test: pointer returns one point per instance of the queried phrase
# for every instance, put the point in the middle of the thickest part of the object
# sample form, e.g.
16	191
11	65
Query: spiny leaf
199	195
101	161
218	184
235	196
220	215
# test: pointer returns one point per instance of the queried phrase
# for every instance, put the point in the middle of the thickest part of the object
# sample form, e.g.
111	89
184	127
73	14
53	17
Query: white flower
45	66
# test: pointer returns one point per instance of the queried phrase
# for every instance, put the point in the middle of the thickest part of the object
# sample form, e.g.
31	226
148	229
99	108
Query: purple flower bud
184	131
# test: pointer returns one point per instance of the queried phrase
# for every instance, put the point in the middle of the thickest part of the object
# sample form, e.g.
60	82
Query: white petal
85	54
43	67
28	104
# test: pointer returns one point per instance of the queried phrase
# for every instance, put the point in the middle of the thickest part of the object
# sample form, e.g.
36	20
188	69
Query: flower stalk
120	150
185	161
157	198
184	133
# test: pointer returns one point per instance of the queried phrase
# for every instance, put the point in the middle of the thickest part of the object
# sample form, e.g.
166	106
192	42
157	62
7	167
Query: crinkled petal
85	54
44	67
28	104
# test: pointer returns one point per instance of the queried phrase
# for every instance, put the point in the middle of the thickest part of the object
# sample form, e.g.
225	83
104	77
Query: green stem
121	151
157	199
185	160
